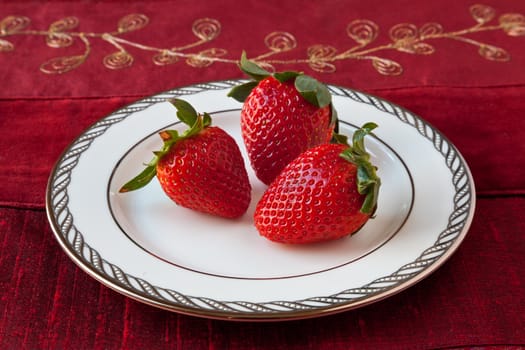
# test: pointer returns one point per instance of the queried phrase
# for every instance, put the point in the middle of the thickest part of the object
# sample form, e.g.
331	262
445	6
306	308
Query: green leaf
339	138
241	92
206	120
313	91
195	128
359	136
252	69
187	114
365	177
141	179
185	111
368	182
285	76
370	203
348	155
334	117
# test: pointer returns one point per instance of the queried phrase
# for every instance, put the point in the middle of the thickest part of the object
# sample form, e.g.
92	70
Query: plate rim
89	260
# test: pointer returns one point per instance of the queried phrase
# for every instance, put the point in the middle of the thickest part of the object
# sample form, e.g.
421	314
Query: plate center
233	248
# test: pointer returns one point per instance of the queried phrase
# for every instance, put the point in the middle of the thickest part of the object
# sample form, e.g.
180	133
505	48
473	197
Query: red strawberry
283	115
328	192
202	169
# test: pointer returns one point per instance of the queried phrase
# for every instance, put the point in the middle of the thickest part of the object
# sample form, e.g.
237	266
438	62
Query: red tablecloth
64	65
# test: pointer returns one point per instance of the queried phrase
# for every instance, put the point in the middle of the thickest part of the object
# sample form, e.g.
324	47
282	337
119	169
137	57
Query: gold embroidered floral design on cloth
405	37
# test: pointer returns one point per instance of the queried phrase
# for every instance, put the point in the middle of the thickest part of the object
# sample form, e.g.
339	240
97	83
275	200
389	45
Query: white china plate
144	246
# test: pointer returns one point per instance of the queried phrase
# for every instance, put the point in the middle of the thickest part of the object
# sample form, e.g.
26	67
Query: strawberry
202	169
283	115
328	192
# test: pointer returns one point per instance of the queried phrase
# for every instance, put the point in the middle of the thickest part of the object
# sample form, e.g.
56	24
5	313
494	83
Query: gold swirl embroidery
13	24
59	65
132	22
57	36
118	60
6	46
404	37
482	14
428	30
205	58
280	41
513	24
206	29
362	31
318	57
164	58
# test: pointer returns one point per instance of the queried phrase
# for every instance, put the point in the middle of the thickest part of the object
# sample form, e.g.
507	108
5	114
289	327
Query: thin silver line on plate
182	266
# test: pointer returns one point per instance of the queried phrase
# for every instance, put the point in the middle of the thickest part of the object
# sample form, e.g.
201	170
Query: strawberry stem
368	182
165	136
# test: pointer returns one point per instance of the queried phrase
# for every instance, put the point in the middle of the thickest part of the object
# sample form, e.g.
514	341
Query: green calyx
368	182
189	116
311	89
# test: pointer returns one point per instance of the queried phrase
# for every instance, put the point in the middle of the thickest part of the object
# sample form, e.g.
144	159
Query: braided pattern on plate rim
90	260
